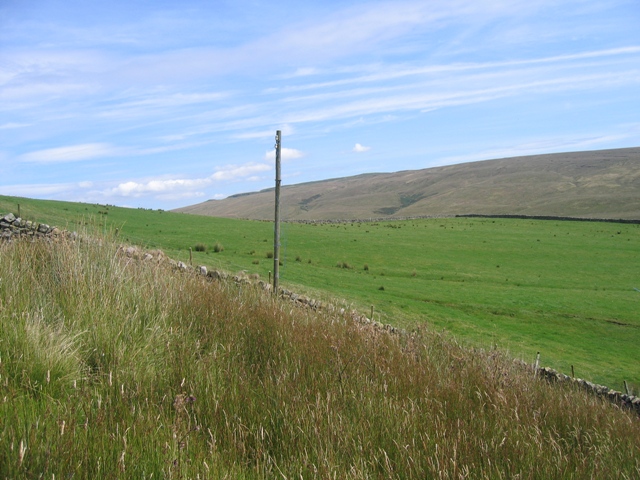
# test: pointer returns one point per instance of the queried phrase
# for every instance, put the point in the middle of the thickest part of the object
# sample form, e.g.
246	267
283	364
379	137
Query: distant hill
591	184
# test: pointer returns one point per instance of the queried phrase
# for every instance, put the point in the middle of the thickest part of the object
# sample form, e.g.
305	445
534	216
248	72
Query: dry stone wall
12	227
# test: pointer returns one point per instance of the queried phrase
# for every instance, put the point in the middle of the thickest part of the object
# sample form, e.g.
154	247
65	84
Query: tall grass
117	368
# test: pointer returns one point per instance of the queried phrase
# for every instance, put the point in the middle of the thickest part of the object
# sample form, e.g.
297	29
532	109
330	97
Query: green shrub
200	247
218	247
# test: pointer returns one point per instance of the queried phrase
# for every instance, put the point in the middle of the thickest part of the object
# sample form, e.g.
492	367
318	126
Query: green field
565	289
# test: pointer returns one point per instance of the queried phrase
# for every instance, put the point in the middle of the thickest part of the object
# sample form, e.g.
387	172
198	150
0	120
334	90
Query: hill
591	184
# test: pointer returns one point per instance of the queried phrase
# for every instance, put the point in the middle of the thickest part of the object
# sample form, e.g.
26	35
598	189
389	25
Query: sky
163	104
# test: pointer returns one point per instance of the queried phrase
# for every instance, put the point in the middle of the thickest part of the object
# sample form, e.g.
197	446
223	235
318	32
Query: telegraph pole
276	239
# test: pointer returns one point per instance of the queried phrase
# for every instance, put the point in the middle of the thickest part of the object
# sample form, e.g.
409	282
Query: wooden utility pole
276	236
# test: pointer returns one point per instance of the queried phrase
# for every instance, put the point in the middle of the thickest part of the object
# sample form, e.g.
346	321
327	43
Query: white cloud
9	125
233	172
266	133
180	196
137	189
537	146
72	153
173	188
286	154
361	148
38	190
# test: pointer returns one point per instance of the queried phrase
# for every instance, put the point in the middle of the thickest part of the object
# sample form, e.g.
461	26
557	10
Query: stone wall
12	227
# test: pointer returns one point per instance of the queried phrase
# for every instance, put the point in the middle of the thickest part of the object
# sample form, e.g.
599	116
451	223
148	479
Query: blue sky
160	104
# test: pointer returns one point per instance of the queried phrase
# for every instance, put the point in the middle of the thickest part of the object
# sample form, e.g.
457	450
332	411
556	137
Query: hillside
591	184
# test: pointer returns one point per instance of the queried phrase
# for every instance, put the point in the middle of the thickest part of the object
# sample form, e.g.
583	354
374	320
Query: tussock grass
117	368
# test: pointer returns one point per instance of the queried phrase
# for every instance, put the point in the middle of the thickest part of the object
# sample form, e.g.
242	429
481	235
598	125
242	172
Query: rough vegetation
113	367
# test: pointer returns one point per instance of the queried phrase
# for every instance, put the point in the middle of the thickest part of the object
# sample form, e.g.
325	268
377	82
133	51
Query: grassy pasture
565	289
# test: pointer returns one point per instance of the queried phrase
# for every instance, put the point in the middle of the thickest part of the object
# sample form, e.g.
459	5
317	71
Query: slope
590	184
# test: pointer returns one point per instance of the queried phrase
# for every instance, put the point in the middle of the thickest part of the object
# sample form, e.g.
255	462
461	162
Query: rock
217	275
9	218
202	270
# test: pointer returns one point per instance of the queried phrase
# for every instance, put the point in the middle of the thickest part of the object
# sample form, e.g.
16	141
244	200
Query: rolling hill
589	184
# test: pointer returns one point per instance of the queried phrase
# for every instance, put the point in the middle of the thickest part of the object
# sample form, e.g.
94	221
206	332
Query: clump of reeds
115	367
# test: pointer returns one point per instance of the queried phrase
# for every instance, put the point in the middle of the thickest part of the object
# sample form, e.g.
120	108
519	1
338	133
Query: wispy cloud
540	146
42	190
10	125
72	153
286	154
360	148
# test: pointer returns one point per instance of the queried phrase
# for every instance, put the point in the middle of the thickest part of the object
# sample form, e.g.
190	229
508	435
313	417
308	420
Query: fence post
535	367
276	233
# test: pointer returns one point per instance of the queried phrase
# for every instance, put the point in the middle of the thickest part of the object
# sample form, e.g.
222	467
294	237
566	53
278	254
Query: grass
565	289
119	368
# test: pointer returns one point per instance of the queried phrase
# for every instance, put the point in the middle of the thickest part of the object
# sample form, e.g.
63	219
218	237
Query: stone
9	218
